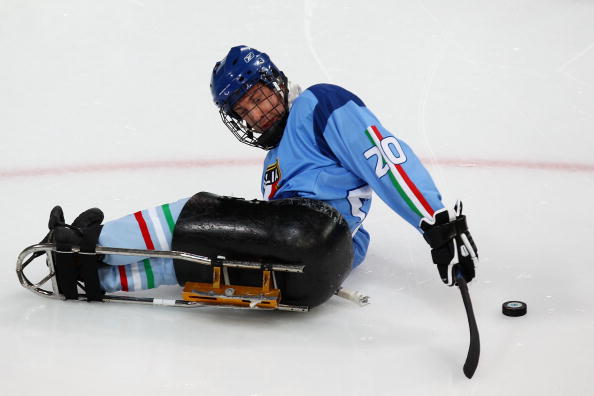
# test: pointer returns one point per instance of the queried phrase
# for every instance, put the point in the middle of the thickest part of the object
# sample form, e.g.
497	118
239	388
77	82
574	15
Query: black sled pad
296	231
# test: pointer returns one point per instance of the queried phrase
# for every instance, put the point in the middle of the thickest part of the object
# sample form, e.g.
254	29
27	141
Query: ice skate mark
422	112
427	11
563	68
577	80
309	6
447	41
575	58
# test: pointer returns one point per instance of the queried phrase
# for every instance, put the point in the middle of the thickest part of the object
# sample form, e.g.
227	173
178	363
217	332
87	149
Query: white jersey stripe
158	227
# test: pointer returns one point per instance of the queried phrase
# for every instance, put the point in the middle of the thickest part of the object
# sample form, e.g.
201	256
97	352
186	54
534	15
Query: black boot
70	267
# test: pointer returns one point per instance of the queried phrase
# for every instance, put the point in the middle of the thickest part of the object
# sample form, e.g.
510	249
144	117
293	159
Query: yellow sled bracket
219	293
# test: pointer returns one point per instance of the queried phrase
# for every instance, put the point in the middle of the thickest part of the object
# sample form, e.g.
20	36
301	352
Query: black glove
452	247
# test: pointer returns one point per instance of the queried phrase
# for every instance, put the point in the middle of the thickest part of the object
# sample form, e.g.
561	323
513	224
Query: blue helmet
232	77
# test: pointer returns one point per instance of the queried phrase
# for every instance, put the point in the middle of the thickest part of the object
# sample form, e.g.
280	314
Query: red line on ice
212	163
123	166
487	163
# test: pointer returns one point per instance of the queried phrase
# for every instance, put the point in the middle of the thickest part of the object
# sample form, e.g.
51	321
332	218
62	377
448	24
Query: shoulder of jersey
320	90
327	95
333	95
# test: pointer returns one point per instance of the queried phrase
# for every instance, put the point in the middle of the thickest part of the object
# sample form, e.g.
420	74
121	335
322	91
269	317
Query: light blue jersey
334	149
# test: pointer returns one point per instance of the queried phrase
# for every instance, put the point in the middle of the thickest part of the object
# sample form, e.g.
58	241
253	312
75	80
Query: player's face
260	107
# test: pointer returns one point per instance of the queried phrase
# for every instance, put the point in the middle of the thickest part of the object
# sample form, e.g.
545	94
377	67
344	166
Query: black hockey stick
474	349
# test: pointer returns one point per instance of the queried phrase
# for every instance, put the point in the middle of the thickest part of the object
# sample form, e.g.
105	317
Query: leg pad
291	231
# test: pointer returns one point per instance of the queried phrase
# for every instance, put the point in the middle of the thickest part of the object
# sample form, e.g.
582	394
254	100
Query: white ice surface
505	87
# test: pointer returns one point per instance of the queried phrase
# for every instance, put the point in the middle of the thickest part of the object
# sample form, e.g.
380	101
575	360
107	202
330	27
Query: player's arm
386	163
397	175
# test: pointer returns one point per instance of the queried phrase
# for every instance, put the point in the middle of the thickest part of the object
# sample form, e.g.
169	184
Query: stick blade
474	349
472	359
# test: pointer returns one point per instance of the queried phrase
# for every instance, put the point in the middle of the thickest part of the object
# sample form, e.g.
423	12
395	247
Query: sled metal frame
38	250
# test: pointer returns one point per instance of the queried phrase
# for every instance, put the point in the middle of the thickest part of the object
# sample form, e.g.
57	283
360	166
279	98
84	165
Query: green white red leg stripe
140	275
400	179
131	276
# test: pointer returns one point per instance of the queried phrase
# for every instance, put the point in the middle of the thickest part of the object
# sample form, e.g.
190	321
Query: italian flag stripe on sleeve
400	179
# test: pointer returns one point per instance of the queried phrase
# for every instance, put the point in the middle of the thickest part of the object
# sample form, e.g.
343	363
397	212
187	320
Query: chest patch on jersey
272	177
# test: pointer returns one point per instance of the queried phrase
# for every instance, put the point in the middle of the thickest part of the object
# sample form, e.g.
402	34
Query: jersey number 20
390	152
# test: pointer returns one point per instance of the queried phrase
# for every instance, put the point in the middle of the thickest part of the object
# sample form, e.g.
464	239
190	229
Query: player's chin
265	126
269	122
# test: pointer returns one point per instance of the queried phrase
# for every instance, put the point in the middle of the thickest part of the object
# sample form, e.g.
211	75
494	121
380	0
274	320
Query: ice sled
218	293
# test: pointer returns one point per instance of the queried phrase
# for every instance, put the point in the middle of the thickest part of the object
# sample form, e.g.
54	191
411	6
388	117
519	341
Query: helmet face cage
248	134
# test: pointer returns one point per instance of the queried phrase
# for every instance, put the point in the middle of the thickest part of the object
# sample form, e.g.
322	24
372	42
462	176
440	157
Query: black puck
514	308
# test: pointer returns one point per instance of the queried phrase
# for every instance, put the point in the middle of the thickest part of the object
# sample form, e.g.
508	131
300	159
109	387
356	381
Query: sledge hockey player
327	152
